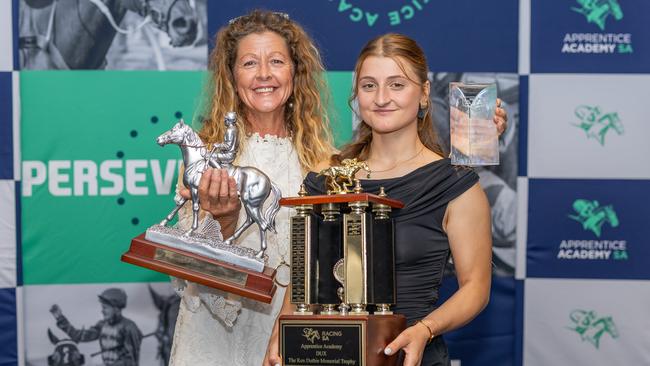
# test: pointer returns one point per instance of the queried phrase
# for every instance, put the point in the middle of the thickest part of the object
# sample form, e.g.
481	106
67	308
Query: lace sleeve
225	309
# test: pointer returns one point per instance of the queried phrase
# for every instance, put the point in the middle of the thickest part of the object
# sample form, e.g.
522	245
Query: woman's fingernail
388	351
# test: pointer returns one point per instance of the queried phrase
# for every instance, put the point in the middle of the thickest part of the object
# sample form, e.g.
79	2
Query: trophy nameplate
203	256
192	267
338	340
303	260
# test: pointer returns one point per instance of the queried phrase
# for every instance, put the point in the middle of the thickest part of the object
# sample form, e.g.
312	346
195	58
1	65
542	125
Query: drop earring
422	111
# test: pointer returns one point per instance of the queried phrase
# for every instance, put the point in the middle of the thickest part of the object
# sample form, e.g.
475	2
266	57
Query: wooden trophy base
228	277
359	340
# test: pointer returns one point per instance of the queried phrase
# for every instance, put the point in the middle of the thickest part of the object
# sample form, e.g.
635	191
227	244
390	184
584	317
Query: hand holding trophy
205	257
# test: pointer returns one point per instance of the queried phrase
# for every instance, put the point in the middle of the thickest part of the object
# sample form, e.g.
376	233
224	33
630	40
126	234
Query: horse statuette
341	178
253	186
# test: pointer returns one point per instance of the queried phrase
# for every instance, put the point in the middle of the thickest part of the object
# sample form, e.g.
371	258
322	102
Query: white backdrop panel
588	126
7	234
6	36
551	337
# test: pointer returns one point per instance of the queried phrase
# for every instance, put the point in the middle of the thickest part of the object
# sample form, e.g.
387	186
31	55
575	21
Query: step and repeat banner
585	247
86	86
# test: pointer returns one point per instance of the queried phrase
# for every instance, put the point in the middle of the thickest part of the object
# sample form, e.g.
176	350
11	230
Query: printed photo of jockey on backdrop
132	326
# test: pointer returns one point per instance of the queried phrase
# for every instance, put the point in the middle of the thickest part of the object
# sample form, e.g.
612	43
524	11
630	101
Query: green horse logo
597	11
591	327
596	124
592	216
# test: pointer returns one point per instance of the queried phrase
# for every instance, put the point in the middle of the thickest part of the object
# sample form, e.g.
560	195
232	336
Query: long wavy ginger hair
306	120
406	53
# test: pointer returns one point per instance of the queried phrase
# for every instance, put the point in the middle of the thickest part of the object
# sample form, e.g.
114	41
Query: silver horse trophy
216	257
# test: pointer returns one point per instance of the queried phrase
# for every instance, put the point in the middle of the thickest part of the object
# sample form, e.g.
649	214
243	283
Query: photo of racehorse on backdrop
112	34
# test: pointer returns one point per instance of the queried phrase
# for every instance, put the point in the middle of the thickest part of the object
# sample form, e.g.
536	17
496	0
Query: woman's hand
218	195
500	117
272	357
412	340
459	129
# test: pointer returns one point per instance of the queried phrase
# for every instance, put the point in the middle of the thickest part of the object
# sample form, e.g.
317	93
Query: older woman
265	68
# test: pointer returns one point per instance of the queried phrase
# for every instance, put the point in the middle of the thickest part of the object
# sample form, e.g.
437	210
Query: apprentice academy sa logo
592	217
598	12
597	124
592	327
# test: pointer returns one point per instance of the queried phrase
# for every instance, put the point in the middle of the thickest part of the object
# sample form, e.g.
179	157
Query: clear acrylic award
474	136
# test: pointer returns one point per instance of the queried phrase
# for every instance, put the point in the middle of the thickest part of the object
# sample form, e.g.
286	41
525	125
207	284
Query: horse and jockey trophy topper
342	262
201	255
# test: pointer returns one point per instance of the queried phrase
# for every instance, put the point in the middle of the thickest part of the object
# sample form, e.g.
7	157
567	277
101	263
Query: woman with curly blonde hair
265	68
305	118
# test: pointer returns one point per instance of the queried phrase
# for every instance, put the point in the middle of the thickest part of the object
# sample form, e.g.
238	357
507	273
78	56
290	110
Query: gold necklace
370	171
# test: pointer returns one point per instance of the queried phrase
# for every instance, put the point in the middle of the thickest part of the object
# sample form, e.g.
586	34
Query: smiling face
263	72
388	96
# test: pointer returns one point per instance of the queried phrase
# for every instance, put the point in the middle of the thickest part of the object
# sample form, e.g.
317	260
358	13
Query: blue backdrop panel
6	129
8	334
597	36
520	292
461	35
588	229
489	339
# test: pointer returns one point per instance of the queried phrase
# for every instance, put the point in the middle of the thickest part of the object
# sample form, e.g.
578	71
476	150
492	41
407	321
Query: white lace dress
215	328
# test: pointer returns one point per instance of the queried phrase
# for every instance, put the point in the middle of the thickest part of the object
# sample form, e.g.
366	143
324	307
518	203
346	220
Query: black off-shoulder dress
421	245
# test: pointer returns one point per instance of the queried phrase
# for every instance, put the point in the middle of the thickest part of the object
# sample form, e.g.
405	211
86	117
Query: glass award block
474	136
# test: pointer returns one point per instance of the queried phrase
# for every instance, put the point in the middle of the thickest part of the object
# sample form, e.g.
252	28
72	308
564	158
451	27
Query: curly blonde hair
306	120
405	52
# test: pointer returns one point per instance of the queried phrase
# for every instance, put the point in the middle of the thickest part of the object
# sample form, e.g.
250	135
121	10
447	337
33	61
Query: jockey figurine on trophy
226	151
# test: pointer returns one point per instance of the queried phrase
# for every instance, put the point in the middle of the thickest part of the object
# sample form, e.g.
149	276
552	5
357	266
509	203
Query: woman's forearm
461	308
